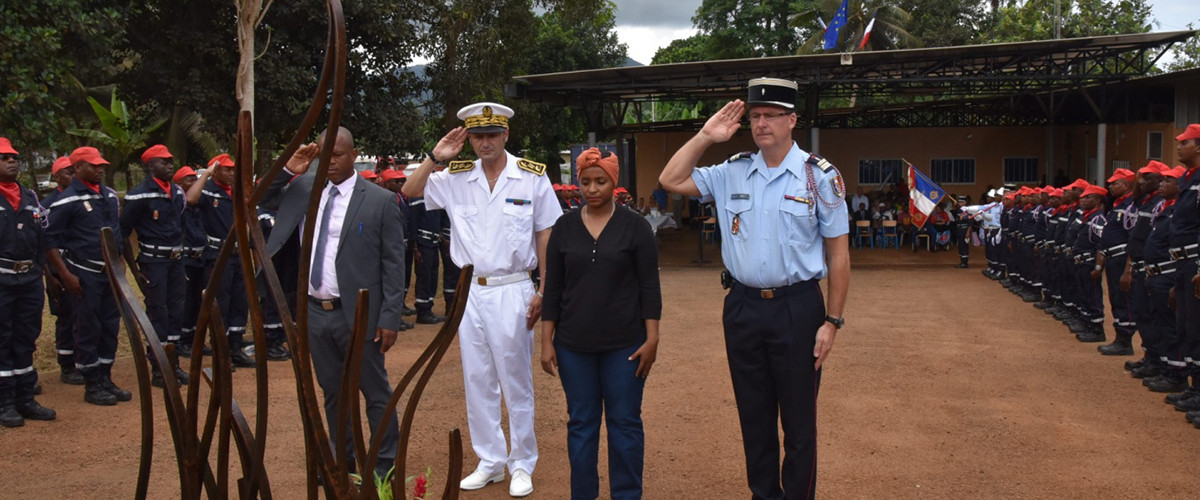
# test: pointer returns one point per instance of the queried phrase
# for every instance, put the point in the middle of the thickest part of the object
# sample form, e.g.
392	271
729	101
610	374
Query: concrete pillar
814	140
1101	163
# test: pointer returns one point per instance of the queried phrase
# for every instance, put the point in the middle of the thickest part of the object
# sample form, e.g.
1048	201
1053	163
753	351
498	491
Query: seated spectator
859	199
861	213
642	207
938	228
904	226
881	213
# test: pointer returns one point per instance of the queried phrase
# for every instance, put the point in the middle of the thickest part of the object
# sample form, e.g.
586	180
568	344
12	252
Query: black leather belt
194	252
1167	267
15	266
1138	266
1084	258
1114	251
173	253
772	293
1185	252
326	304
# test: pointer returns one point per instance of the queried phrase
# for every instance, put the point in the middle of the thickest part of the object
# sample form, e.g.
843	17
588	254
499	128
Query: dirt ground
942	385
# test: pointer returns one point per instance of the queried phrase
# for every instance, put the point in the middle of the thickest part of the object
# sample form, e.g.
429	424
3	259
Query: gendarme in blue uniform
783	215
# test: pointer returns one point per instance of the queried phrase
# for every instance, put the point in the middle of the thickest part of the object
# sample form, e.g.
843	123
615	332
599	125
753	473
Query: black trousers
20	324
769	343
1091	298
1118	300
165	296
1139	305
99	321
1162	318
196	277
231	298
1187	314
449	276
64	307
427	271
963	236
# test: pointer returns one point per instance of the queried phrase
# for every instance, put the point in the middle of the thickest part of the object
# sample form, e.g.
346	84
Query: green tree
1037	19
118	135
691	49
1186	54
49	47
748	28
944	23
888	32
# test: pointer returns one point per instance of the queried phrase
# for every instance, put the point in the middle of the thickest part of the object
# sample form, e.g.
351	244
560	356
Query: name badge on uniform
154	215
87	205
518	202
216	202
739	196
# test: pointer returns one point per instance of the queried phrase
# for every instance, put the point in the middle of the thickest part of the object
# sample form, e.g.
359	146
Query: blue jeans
596	382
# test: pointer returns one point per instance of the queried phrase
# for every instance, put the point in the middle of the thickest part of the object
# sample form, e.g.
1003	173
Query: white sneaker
479	479
521	484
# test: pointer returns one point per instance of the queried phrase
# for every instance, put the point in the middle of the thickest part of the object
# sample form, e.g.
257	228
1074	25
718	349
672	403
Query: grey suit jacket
370	253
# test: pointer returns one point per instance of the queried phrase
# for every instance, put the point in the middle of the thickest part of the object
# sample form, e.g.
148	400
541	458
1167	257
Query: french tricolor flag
867	32
923	195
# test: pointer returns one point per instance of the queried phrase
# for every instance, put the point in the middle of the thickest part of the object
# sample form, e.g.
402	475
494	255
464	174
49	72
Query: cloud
674	14
644	41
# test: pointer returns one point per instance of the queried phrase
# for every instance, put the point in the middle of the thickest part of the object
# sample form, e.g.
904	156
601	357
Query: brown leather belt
326	304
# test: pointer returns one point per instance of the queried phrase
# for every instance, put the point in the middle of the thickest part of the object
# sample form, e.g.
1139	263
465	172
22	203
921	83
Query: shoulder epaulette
461	166
531	166
744	155
816	160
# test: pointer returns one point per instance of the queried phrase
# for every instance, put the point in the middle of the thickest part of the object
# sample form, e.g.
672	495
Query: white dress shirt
329	283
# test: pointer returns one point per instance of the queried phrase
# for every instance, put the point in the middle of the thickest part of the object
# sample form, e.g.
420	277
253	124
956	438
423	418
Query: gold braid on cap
487	120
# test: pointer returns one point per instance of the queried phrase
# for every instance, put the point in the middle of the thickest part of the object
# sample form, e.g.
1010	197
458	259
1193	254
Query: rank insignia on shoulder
531	166
461	166
820	162
744	155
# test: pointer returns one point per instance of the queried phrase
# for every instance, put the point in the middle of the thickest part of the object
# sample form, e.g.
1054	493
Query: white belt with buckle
502	280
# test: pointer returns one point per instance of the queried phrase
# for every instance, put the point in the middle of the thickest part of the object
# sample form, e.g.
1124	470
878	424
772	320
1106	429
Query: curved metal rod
223	390
244	440
453	466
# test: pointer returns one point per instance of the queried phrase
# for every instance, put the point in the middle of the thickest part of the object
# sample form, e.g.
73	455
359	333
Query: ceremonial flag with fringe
923	195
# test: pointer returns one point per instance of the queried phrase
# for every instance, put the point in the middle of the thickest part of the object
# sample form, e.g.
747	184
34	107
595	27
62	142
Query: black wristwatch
836	322
434	158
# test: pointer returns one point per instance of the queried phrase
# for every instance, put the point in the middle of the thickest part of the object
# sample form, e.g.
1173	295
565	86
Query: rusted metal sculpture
223	420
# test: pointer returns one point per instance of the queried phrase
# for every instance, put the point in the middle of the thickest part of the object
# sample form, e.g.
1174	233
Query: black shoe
182	376
239	359
207	350
97	395
1117	348
1179	396
72	378
405	325
429	318
408	311
1189	404
1133	365
1194	417
1076	326
117	392
156	379
278	352
1148	370
1089	337
962	265
1041	305
1166	384
31	410
37	388
183	350
9	417
1031	297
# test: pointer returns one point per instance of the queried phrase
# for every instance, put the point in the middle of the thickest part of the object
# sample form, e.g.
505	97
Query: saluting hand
450	145
824	343
721	126
302	158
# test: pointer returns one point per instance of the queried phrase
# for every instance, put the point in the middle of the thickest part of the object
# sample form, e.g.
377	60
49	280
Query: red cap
182	173
557	186
6	147
59	164
1191	132
1056	192
1121	174
392	174
1024	191
368	174
1094	190
1154	167
1176	172
1078	184
221	160
88	154
156	151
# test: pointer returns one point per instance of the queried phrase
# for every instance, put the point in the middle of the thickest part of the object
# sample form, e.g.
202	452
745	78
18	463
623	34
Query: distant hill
630	62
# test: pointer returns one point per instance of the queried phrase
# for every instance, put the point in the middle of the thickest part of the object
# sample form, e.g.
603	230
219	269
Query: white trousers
497	356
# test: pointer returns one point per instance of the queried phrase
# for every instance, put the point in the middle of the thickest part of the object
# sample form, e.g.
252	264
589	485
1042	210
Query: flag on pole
822	23
835	26
867	32
923	195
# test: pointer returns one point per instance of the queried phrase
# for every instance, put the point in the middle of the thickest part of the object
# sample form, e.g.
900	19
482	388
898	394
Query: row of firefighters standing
181	219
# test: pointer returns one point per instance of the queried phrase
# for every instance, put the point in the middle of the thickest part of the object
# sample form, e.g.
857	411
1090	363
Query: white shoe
521	484
479	479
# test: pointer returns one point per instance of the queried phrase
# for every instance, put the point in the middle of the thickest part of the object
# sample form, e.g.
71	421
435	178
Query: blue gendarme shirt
781	221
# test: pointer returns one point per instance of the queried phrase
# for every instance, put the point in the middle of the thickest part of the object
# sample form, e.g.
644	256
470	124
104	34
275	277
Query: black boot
1092	332
1150	369
94	391
183	350
239	358
429	318
117	392
962	264
276	351
408	311
1180	396
449	297
9	417
71	377
1168	382
1121	346
1133	365
29	408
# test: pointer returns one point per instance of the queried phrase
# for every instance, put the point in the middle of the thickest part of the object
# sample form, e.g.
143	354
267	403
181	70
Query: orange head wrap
592	158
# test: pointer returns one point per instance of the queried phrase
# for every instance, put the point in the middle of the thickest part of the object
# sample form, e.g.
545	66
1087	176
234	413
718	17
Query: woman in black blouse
600	327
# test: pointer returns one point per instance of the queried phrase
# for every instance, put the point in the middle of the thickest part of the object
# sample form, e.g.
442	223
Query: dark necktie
318	266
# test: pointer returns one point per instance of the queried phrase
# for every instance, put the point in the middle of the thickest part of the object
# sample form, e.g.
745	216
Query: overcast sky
645	26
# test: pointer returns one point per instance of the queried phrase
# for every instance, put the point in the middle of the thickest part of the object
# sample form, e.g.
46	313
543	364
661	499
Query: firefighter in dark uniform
1170	367
272	322
428	236
1185	248
153	210
393	180
76	218
1087	270
62	305
194	241
1139	224
22	250
449	270
784	227
213	193
1114	243
962	231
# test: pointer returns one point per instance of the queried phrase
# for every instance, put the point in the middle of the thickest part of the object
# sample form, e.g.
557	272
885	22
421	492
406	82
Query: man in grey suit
358	243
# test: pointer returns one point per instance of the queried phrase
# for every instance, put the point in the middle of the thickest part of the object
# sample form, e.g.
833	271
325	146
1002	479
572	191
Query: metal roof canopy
942	78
